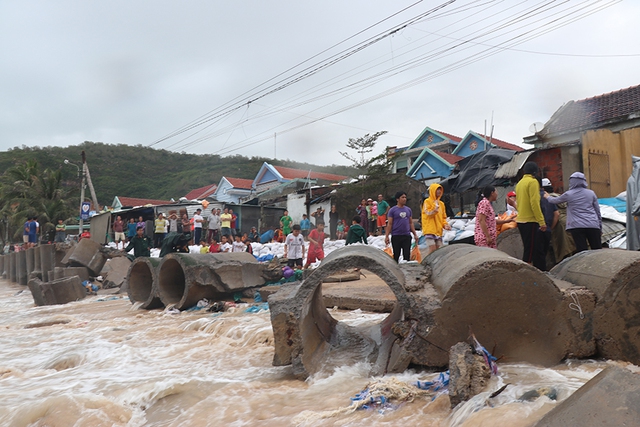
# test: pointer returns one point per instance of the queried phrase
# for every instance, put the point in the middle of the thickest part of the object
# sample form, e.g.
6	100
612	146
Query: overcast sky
134	72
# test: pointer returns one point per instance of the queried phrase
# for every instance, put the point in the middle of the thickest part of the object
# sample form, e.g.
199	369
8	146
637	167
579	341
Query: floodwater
103	362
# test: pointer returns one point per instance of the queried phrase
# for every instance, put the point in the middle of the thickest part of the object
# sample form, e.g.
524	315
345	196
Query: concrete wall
296	205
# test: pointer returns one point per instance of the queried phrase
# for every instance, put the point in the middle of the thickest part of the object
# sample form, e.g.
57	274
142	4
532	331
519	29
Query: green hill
137	171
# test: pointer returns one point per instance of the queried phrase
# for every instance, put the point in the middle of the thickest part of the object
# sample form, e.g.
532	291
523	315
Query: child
204	249
340	230
356	232
215	246
316	242
278	236
305	225
225	246
247	242
238	246
294	248
434	218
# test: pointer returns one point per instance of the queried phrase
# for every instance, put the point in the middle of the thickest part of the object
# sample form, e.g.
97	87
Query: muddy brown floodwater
104	362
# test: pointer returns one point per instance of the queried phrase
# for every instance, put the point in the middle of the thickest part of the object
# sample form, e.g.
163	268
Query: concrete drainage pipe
184	279
309	338
141	277
613	276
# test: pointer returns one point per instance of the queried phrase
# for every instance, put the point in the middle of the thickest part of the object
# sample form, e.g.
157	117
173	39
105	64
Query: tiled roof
242	183
451	158
202	192
289	173
503	144
450	136
593	112
134	201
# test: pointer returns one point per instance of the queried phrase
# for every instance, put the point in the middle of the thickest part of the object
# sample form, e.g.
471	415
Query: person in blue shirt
305	226
131	229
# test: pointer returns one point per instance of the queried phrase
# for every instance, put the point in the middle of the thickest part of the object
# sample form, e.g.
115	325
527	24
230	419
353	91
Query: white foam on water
99	362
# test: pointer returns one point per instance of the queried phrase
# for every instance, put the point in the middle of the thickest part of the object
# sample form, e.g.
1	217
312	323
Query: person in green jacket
140	244
356	232
285	223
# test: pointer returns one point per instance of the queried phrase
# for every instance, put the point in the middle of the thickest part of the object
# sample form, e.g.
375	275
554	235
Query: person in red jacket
316	245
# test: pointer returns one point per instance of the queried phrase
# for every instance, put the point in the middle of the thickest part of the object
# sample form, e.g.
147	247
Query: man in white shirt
214	224
197	226
294	247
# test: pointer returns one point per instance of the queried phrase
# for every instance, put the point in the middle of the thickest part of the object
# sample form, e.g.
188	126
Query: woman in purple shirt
400	226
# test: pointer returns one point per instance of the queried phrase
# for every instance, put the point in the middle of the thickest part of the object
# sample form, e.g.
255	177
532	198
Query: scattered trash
90	286
216	307
258	308
257	297
488	358
203	303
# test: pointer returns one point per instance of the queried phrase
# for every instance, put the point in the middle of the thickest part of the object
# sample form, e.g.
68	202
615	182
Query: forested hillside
137	171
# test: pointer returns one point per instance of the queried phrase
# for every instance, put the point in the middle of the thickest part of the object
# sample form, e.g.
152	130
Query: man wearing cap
512	206
530	218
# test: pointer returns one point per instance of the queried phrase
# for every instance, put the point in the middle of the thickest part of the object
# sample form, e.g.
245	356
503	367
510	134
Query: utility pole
85	171
82	184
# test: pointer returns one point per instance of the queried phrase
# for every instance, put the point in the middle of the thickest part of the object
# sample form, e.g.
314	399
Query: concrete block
68	251
30	253
59	291
12	267
117	273
21	268
610	399
468	373
82	272
47	261
87	253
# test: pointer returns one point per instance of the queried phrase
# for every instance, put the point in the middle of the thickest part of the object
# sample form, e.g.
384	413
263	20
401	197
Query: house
231	190
120	202
270	176
202	192
404	158
473	143
596	136
432	165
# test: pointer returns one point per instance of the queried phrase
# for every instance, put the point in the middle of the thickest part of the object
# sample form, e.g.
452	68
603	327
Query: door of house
599	178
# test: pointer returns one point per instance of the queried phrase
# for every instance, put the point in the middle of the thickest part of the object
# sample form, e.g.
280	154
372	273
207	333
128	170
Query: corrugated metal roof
510	169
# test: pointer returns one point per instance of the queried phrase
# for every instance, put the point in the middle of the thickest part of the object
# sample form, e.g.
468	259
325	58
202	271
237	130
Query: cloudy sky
298	79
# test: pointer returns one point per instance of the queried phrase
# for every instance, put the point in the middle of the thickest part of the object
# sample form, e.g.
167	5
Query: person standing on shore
364	217
159	230
316	245
294	248
434	218
140	244
285	223
305	226
61	231
486	231
584	220
319	216
131	228
197	226
214	225
118	230
530	218
400	227
383	210
333	222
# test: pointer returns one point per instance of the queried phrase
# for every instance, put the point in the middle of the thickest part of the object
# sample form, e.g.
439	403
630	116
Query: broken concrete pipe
141	277
614	277
185	279
88	253
309	338
509	305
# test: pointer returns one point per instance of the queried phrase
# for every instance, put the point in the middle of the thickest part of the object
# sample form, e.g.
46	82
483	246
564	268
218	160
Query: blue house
270	176
231	190
405	158
433	165
474	143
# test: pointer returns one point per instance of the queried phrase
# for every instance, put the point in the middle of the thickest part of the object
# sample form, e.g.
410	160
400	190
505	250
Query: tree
363	146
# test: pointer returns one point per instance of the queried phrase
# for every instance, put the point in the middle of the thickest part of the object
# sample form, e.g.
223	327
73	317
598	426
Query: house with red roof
596	136
270	176
231	190
473	143
404	158
202	192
